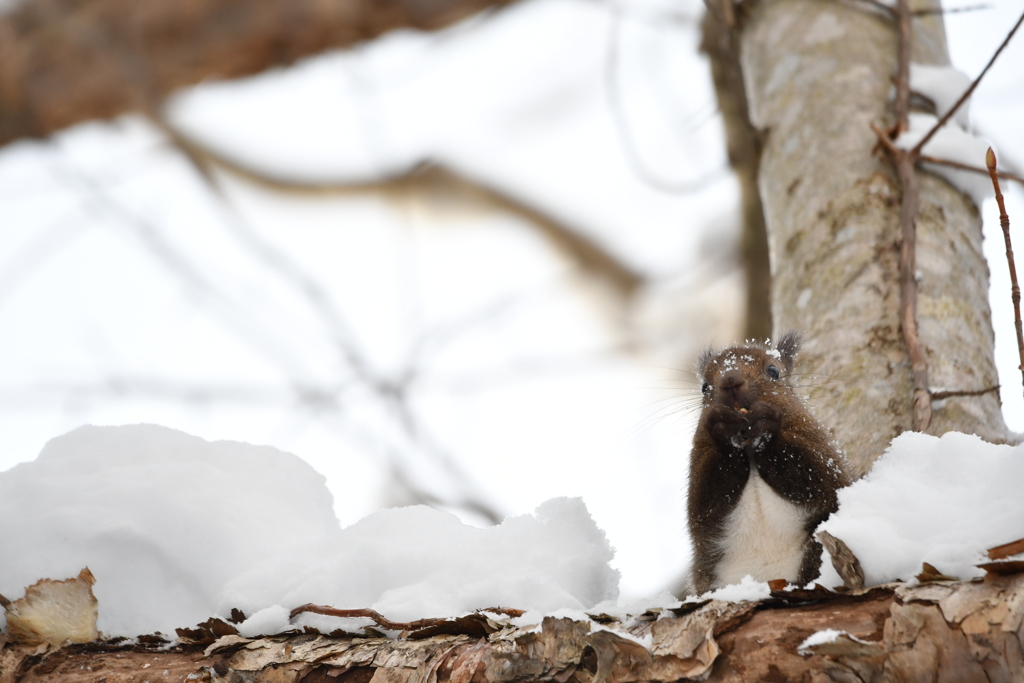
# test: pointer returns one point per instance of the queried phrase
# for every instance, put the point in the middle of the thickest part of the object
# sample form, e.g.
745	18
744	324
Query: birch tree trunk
816	75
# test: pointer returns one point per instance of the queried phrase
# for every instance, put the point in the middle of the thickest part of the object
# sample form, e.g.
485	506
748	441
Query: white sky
128	293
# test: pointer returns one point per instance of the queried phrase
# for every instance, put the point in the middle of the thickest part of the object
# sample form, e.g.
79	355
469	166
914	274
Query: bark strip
970	631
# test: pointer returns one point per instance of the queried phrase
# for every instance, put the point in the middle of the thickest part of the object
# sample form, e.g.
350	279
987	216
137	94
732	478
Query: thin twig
386	623
952	393
908	290
928	11
967	93
903	69
1004	223
904	161
619	116
925	159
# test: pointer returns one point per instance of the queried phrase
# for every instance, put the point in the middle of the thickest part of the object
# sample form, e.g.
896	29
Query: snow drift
176	529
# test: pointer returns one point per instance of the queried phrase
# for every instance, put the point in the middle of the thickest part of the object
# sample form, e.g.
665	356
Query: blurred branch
253	330
949	10
66	61
392	391
744	143
592	257
616	106
116	387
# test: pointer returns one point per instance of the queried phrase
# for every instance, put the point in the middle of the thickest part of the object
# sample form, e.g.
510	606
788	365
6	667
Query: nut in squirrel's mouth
744	411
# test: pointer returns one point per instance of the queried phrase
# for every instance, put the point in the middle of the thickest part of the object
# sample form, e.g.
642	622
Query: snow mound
942	500
176	529
418	562
943	85
163	519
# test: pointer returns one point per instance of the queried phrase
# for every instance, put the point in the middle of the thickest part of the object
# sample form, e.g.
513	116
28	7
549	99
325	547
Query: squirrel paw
763	422
726	425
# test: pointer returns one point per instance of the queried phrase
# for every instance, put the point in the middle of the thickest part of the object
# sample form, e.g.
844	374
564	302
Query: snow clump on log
177	529
942	500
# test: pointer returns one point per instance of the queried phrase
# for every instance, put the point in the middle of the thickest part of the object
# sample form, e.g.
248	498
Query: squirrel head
742	374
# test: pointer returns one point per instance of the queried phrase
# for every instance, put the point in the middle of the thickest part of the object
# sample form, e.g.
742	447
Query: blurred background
454	252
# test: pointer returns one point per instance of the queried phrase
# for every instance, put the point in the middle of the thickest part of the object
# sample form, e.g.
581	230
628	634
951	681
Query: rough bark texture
948	631
66	61
817	74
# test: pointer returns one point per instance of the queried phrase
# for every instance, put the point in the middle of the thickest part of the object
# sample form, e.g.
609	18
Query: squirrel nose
733	379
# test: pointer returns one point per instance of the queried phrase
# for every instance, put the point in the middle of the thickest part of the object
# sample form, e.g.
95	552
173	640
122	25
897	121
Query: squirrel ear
788	346
702	362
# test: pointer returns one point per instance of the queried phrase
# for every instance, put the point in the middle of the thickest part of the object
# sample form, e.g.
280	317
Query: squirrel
763	471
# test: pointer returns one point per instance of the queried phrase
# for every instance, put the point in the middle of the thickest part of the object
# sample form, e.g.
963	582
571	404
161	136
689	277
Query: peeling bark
938	631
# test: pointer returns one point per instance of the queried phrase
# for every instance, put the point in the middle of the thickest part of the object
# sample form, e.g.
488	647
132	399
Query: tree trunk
817	75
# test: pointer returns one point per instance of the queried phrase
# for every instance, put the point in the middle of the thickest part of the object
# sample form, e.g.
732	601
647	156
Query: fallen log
935	631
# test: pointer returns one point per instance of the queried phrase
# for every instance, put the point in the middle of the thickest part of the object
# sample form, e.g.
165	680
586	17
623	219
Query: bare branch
1004	223
903	69
939	395
929	11
386	623
593	257
967	93
615	106
908	290
925	159
62	62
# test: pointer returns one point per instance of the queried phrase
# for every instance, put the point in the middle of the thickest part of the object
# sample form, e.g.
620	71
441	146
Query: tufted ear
788	346
702	362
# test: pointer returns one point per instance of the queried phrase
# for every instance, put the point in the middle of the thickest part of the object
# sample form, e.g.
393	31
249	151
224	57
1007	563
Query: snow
177	529
942	500
824	637
828	635
410	563
943	85
954	144
747	589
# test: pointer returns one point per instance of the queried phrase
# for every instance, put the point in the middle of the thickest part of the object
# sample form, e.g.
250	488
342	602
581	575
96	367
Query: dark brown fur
751	419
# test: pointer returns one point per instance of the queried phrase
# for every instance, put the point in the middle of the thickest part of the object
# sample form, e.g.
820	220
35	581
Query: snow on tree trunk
817	74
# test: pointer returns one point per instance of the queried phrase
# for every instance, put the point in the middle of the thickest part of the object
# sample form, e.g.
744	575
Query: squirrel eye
772	372
705	388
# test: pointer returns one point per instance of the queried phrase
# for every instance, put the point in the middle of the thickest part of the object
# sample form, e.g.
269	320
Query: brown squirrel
763	471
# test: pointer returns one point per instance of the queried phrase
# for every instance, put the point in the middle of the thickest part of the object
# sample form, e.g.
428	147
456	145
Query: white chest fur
764	536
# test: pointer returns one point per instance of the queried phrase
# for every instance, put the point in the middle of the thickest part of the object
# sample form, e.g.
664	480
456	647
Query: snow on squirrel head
740	375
